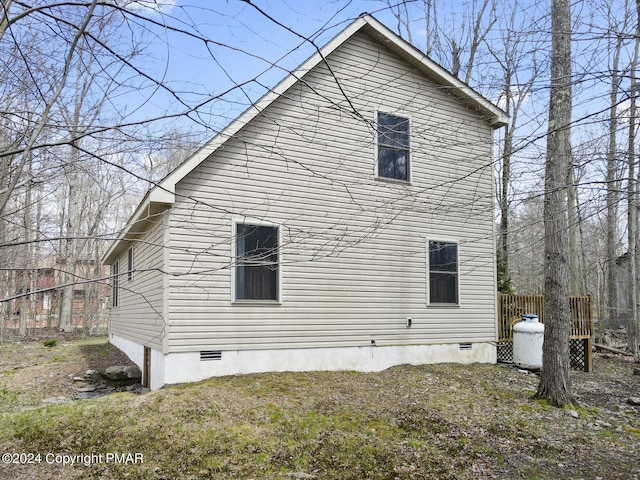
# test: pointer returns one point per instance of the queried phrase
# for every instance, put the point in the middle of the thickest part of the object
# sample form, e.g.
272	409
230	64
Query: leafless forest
96	105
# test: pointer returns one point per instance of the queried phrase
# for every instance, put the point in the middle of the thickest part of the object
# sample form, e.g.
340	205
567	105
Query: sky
247	48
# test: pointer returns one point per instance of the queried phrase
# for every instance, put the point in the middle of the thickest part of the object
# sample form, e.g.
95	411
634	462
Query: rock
603	424
636	371
88	395
634	401
79	379
90	374
573	413
299	476
90	388
133	372
128	372
55	400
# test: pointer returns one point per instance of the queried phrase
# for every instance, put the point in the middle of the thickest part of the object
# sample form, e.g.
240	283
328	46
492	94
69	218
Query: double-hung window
443	272
257	263
115	272
130	264
393	147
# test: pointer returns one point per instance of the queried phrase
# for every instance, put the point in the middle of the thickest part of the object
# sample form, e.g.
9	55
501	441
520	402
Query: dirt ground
40	372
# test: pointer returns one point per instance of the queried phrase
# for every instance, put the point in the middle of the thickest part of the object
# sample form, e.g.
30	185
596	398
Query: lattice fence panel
505	352
577	354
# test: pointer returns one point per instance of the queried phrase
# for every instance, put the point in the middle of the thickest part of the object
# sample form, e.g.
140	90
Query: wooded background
92	115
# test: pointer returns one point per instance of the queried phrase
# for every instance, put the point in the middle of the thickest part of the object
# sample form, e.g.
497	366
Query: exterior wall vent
209	355
466	346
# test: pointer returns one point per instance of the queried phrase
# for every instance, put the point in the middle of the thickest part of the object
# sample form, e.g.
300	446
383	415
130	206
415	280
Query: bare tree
632	193
555	380
613	189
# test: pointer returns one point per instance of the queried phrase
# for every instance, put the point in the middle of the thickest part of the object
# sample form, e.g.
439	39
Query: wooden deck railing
511	308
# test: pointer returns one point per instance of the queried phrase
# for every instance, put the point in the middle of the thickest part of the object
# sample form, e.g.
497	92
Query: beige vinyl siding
139	316
354	247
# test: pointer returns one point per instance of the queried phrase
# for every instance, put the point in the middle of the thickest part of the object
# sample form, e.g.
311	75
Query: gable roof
162	195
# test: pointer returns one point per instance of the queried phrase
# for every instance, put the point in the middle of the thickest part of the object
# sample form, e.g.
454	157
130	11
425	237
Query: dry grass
439	421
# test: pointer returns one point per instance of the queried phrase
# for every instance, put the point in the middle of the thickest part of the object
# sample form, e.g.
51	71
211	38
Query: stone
128	372
603	424
88	395
90	388
299	476
636	371
634	401
79	379
573	413
55	400
133	372
90	374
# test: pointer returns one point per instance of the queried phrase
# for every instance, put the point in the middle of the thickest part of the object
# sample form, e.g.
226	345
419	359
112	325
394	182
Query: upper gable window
393	147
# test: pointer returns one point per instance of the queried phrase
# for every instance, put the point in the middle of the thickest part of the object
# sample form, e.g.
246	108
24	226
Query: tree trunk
555	379
632	213
504	199
572	199
613	196
70	255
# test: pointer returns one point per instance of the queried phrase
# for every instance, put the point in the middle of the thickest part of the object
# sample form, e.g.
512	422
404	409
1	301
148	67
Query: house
345	221
45	279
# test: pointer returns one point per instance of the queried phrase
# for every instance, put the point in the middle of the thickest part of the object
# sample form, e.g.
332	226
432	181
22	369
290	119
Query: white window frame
234	259
428	272
377	146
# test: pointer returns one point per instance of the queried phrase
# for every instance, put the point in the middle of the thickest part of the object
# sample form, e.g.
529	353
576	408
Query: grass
440	421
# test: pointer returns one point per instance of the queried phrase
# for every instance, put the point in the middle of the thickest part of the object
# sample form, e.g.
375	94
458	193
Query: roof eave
154	203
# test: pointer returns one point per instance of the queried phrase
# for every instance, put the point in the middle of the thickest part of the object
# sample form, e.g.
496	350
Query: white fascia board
161	195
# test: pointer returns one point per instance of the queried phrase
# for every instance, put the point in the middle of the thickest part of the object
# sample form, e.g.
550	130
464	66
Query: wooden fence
511	308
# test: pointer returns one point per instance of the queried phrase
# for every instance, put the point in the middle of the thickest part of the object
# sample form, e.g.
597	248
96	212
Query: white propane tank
528	336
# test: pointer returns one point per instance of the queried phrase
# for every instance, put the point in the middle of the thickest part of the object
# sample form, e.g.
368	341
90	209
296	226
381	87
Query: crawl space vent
465	346
210	355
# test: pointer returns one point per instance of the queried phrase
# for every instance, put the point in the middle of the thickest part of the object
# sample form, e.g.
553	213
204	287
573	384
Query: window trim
428	273
234	261
377	148
130	264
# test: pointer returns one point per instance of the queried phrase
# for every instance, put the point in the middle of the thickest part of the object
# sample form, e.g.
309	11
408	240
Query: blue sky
247	49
